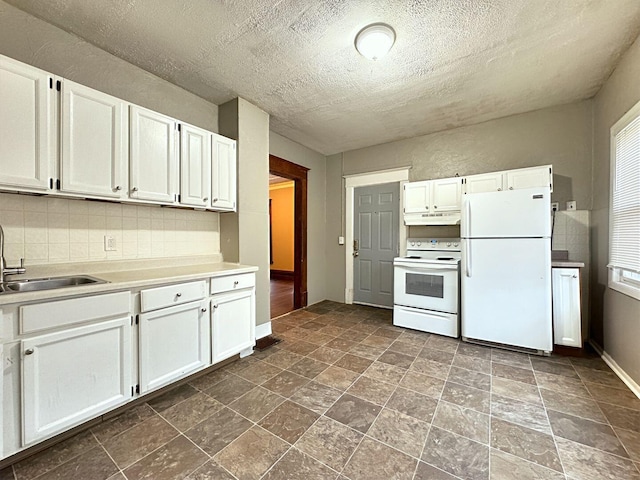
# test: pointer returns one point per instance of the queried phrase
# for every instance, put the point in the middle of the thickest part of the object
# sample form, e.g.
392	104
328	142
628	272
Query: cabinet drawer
232	282
43	316
161	297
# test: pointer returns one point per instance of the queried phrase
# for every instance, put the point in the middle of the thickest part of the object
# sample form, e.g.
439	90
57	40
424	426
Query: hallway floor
346	395
281	296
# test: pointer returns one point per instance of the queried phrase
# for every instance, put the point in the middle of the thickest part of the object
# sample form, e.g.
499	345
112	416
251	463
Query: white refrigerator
506	268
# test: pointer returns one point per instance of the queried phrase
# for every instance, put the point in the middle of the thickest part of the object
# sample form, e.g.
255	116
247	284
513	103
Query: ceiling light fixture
374	41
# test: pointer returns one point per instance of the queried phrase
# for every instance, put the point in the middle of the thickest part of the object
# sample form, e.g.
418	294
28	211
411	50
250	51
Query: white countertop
566	264
124	275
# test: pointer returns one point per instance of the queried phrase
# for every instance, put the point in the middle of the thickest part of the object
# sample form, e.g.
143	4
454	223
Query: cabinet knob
575	276
499	189
215	199
426	207
178	294
510	188
235	283
134	189
118	188
435	206
205	199
215	306
28	351
203	310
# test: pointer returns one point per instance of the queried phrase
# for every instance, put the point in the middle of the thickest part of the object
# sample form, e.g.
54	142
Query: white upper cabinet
529	178
510	180
417	197
446	194
487	182
94	142
223	173
153	156
195	166
27	158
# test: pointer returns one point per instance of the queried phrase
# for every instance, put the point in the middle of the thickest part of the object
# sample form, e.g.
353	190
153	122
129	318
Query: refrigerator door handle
466	223
467	255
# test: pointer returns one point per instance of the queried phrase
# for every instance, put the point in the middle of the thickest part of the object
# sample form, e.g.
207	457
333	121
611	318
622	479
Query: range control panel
452	244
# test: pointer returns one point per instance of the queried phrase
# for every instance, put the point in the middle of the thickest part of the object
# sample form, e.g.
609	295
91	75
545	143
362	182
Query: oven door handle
426	268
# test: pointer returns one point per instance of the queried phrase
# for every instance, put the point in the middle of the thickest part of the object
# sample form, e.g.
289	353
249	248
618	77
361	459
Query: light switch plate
340	240
571	205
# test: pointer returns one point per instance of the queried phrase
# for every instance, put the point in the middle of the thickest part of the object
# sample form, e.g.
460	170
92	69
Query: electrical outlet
571	205
555	206
109	243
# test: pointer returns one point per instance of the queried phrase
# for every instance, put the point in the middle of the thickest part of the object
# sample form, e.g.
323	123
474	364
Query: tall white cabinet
27	153
195	166
94	140
565	284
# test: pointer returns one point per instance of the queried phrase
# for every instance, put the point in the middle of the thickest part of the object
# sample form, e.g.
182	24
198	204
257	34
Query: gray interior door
375	233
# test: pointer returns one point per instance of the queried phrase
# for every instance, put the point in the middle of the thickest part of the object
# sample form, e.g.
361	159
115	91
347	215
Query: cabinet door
71	376
94	142
174	342
487	182
195	166
26	115
566	307
233	323
153	156
416	197
223	173
446	194
529	178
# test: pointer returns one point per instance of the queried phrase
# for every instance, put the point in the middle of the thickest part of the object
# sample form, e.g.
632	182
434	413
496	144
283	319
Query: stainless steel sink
37	284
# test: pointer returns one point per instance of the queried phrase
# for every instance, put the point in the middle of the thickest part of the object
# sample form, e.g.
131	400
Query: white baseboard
628	381
263	330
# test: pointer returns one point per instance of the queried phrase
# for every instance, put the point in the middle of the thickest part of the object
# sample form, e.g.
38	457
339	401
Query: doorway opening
288	235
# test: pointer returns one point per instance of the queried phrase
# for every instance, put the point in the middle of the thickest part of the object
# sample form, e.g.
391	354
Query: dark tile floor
348	396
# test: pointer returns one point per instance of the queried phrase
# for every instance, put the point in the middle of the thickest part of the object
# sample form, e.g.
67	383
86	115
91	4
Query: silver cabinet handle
510	188
118	188
215	199
435	206
235	284
28	351
178	294
499	189
426	207
575	276
205	199
203	310
215	306
134	189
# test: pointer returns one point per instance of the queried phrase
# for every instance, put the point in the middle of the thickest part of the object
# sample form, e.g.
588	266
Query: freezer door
510	214
506	291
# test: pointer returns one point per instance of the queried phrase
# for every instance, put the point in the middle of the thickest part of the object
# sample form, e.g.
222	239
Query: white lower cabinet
232	323
173	343
73	375
566	307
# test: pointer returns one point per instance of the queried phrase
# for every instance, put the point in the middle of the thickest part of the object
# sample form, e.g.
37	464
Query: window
624	207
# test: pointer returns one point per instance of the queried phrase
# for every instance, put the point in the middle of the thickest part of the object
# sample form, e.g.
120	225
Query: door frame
400	175
297	173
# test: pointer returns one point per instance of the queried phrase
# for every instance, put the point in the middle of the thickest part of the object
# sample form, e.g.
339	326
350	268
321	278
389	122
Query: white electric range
427	286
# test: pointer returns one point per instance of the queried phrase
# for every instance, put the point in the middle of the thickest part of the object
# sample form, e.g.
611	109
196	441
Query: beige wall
42	45
615	317
244	236
316	209
559	135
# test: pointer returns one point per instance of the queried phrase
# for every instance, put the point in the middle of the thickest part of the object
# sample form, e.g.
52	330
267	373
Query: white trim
624	376
400	175
370	174
263	330
615	283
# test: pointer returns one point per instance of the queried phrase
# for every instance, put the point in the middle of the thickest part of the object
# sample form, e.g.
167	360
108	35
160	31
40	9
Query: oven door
430	286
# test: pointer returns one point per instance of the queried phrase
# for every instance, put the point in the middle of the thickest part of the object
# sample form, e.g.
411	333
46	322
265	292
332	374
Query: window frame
616	277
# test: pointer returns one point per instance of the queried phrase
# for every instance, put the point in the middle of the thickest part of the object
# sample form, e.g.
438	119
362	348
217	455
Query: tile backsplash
45	230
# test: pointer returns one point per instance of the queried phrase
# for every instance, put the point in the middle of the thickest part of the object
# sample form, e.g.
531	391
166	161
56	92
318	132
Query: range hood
445	218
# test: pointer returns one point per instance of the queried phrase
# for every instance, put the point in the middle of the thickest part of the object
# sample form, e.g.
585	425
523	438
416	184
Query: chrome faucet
4	270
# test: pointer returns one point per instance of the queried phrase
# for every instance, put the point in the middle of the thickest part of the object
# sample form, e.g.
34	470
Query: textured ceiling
455	62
